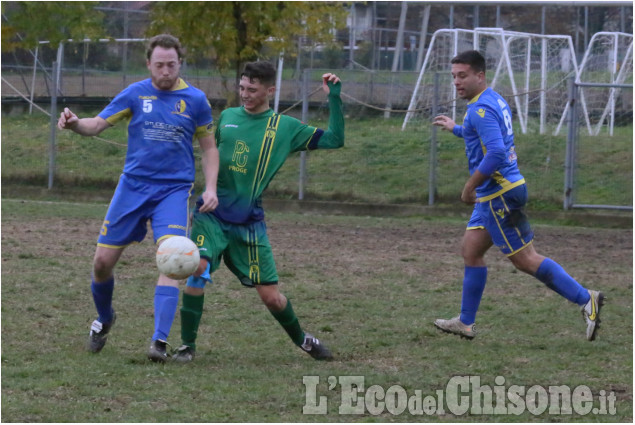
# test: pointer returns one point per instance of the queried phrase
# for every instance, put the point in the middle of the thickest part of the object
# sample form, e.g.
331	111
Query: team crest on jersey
481	112
180	106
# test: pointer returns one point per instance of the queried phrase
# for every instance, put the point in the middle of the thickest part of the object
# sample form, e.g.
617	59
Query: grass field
368	287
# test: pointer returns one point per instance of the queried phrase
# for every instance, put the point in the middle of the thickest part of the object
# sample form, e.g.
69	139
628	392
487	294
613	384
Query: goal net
607	64
529	70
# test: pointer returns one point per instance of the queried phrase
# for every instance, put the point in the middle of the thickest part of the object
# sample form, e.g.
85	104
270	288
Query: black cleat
158	351
315	348
99	334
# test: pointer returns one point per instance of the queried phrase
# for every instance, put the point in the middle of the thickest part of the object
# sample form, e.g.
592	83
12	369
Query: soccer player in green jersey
253	143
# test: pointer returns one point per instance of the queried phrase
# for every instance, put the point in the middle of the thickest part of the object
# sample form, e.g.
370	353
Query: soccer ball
177	257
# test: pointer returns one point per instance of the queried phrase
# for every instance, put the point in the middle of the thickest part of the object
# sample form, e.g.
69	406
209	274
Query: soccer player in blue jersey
164	114
499	194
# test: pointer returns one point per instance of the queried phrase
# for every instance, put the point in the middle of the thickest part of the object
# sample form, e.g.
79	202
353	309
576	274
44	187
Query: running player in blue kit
499	194
165	114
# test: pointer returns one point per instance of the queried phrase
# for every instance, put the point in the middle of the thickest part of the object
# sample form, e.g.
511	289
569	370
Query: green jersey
253	147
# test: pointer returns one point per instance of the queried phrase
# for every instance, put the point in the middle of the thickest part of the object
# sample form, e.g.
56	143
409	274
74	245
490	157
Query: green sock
191	312
289	321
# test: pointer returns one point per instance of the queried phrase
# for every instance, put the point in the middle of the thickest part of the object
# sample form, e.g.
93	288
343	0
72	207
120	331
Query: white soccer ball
177	257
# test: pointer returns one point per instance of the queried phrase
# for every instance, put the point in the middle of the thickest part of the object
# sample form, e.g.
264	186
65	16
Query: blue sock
102	296
474	281
166	299
557	279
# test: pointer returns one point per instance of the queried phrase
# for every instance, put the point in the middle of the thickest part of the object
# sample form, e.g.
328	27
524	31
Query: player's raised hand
67	119
329	77
446	123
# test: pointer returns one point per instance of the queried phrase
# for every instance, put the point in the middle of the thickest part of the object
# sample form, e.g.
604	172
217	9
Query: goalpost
607	64
531	70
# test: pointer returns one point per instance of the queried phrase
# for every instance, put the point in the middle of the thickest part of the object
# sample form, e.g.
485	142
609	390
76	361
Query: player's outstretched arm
210	162
84	126
333	137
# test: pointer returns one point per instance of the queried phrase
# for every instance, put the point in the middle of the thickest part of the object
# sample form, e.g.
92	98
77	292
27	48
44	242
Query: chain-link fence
397	169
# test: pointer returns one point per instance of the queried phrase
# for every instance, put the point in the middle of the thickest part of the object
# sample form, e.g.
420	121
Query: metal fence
585	151
96	72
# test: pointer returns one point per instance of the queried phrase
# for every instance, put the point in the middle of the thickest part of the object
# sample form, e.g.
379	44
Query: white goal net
605	72
529	70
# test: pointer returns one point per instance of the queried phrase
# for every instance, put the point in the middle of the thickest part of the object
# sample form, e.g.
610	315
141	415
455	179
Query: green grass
379	164
368	287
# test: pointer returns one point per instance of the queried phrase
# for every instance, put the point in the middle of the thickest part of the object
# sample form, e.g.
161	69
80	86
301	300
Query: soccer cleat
591	313
158	351
315	348
183	354
455	326
99	334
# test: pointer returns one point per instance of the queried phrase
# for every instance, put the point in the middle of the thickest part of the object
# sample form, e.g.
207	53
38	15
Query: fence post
305	116
33	78
276	98
432	181
53	125
572	136
60	62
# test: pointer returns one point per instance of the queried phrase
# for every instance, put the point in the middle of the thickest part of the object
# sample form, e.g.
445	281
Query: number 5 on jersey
147	105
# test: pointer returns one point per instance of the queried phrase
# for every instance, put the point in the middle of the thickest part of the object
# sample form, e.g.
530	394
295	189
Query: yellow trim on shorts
500	229
504	188
520	249
520	236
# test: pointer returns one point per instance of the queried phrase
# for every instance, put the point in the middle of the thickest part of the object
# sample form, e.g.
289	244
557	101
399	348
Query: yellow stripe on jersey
265	153
306	146
115	118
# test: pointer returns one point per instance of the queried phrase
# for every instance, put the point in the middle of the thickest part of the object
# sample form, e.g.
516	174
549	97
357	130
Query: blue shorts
505	220
137	201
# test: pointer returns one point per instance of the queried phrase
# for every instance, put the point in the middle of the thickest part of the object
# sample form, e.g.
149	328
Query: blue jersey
489	144
162	127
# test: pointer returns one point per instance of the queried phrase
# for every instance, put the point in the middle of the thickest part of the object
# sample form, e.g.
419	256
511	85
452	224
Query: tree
26	23
236	32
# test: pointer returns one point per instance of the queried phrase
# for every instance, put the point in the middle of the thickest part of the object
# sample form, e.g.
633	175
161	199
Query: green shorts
245	248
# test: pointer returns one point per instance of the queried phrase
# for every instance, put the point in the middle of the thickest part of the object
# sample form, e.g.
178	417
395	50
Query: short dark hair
166	41
262	70
473	58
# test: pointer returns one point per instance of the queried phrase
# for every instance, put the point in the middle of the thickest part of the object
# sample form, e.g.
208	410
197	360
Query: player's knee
273	300
102	268
471	259
527	260
202	266
197	292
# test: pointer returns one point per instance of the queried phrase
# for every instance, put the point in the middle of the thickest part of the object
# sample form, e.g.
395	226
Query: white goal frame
617	70
504	68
